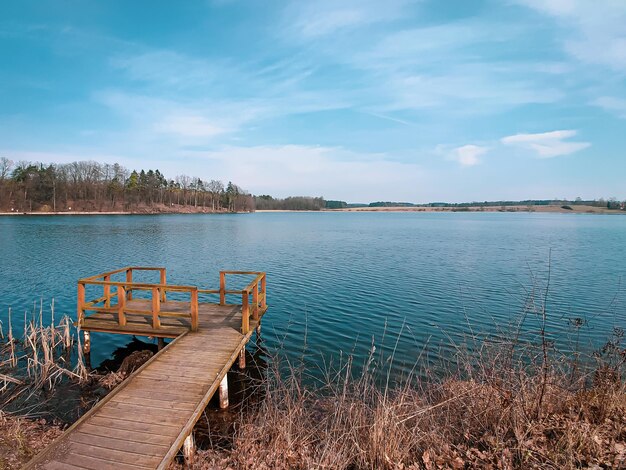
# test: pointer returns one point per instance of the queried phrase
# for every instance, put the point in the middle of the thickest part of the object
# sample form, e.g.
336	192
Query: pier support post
87	348
242	358
86	343
224	392
258	331
189	449
160	343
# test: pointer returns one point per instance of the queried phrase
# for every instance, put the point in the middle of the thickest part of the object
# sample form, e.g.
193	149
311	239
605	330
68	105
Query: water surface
406	282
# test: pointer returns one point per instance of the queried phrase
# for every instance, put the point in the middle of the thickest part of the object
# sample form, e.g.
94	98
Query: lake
340	281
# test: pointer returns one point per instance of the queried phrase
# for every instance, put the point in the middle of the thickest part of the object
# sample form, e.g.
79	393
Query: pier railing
253	296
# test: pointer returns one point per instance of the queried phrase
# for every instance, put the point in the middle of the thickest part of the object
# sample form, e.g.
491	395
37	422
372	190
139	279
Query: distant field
550	208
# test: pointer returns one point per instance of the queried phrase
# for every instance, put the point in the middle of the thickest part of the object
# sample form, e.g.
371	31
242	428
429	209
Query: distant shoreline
554	209
35	214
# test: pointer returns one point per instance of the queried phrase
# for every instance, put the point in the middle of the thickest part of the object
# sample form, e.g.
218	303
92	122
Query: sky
357	100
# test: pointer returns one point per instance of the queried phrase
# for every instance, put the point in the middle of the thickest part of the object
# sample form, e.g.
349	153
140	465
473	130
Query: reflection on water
339	281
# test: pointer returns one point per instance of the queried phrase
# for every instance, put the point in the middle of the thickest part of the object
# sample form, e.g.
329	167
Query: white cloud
287	170
547	144
468	89
467	155
612	104
189	126
595	29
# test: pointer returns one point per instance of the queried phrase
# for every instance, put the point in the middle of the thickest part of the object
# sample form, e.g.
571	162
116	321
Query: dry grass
501	407
21	439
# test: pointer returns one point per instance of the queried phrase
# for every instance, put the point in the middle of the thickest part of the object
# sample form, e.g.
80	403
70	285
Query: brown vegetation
513	405
506	405
21	439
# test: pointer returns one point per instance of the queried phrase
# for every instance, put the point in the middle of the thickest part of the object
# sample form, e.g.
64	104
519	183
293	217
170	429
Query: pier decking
143	423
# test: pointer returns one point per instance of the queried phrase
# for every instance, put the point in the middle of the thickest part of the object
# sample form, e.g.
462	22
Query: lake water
342	281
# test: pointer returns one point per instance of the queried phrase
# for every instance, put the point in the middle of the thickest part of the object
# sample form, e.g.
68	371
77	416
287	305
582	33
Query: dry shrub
488	413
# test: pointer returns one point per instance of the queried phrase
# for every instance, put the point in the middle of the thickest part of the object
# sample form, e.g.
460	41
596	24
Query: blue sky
356	100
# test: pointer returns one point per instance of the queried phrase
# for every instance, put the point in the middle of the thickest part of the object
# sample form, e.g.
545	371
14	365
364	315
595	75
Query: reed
40	357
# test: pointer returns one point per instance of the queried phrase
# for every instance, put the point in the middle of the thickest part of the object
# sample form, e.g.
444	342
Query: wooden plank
111	455
61	466
129	435
147	428
112	443
167	405
91	462
149	384
139	416
184	371
178	380
157	399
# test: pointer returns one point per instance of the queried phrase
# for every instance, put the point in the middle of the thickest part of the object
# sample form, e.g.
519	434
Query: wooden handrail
258	293
253	293
124	269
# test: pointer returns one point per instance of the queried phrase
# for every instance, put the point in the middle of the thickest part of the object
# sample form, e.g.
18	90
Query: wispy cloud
319	18
595	30
612	104
547	144
166	68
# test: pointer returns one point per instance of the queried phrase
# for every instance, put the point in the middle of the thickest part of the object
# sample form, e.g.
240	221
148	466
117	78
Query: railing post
163	281
107	292
255	301
81	303
222	288
121	304
245	312
194	309
264	292
156	307
129	279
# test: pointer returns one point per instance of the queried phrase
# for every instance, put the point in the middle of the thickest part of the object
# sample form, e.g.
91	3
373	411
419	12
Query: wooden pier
148	418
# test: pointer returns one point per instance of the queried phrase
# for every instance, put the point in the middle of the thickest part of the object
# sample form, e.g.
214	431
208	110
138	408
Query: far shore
573	209
114	213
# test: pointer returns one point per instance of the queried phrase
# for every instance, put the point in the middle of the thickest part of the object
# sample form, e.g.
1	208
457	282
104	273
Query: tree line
294	203
92	186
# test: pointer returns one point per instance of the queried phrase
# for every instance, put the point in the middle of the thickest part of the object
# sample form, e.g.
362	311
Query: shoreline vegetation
514	403
161	210
90	188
